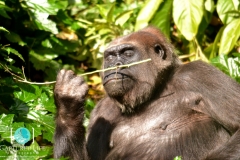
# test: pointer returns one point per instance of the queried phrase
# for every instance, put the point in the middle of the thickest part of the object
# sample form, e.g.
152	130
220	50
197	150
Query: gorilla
156	110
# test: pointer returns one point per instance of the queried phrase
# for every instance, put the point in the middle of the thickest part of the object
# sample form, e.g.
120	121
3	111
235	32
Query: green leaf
59	4
48	134
224	7
10	130
5	126
146	13
46	120
46	103
123	17
3	9
209	5
3	29
37	128
65	18
13	51
110	13
34	151
24	96
187	14
39	11
13	37
104	10
15	70
230	66
43	23
27	92
42	6
59	46
19	107
46	43
163	17
41	62
230	36
177	158
17	125
215	43
5	122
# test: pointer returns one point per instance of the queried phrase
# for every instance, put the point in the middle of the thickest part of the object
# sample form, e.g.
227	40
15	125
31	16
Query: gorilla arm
218	98
69	94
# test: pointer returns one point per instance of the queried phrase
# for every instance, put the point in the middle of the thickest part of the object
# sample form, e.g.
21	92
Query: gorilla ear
159	50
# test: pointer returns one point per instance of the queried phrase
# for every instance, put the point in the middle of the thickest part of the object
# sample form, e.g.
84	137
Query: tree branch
24	80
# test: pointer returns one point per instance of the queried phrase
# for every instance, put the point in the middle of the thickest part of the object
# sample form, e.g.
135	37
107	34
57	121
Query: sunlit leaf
59	4
5	120
123	17
3	29
209	5
46	120
43	23
230	36
224	7
46	103
24	96
95	80
42	6
6	126
110	13
46	43
36	127
215	44
162	18
187	14
103	10
146	13
228	65
178	158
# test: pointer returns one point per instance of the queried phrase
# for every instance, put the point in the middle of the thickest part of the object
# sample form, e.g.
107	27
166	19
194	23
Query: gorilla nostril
118	64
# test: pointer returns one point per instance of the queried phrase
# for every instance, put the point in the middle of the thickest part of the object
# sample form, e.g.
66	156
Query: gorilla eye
128	53
109	57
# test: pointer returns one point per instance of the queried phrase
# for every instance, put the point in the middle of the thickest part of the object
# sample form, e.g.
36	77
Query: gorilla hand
70	91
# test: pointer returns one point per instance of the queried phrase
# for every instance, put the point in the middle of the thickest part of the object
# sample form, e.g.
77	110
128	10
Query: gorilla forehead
140	39
119	47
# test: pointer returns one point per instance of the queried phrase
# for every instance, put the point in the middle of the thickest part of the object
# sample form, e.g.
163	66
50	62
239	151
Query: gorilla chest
163	120
163	126
159	131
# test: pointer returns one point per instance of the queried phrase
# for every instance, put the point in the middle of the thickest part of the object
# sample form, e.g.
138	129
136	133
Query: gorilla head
132	86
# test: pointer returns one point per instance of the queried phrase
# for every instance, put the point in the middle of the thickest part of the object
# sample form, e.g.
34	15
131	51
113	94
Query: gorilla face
118	82
134	85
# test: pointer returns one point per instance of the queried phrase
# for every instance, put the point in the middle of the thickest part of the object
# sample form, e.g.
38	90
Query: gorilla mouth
115	76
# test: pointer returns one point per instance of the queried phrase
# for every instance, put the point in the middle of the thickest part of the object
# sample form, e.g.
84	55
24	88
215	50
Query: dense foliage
44	36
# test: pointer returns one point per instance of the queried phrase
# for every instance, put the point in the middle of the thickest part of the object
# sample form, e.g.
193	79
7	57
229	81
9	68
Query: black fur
155	110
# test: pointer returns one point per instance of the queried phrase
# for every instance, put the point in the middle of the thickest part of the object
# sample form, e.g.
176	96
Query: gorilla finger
77	80
82	91
60	75
68	75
